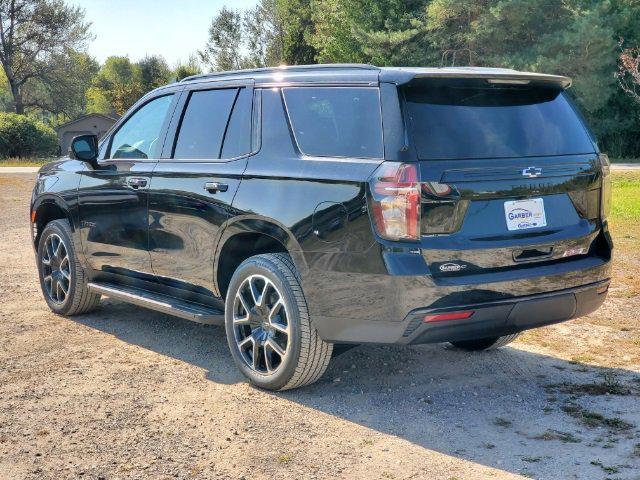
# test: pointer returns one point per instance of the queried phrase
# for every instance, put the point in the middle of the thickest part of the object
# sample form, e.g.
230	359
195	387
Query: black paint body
174	236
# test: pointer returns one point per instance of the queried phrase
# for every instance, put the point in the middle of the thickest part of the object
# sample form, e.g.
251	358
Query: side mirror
85	149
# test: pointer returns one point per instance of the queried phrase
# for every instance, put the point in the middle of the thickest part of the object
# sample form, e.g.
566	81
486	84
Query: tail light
395	190
605	192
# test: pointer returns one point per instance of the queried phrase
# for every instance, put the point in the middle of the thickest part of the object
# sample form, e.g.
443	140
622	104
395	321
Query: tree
629	72
116	87
62	89
264	34
297	36
154	72
454	28
223	49
383	32
569	37
32	32
6	100
184	70
259	31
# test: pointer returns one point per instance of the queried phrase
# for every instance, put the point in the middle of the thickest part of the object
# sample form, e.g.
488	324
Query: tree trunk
17	96
17	100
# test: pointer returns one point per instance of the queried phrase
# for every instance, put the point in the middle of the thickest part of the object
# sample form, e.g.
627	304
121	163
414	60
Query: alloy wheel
261	324
56	270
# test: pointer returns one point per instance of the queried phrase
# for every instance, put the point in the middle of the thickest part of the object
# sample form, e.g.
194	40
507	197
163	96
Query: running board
160	303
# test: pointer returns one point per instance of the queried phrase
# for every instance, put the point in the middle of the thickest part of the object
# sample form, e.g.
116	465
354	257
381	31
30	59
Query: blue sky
171	28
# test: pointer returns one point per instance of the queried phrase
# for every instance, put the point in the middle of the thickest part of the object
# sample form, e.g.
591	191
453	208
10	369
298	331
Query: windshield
459	120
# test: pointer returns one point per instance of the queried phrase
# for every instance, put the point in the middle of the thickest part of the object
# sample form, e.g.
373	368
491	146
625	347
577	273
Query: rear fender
269	227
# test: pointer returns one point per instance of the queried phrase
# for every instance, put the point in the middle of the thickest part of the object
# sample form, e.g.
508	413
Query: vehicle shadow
495	408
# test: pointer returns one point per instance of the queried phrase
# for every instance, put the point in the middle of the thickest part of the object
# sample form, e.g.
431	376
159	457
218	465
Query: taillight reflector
444	317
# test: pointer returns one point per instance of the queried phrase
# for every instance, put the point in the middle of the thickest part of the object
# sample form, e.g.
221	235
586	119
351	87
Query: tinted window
237	140
139	136
274	127
204	123
463	121
339	122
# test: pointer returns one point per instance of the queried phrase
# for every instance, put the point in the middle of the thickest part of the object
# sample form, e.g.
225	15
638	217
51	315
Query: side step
160	303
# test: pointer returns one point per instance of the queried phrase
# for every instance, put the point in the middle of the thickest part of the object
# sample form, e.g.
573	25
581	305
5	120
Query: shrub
21	136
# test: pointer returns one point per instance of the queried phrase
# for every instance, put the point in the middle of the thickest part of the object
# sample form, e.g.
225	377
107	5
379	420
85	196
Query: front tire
485	343
268	327
62	278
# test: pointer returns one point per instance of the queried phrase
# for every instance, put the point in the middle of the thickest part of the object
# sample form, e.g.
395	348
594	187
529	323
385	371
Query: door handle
137	182
213	187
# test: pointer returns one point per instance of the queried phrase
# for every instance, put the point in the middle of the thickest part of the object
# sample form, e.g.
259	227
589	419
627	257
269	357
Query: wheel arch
248	236
46	209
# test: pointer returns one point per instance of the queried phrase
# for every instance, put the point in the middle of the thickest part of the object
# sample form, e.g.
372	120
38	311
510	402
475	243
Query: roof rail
287	68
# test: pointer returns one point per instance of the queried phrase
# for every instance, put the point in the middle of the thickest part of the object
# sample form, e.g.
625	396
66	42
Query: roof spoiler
403	76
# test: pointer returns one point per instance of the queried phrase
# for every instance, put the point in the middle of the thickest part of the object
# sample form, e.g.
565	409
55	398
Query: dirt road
126	393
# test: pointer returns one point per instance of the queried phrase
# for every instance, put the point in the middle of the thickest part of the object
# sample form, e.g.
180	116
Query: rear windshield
456	121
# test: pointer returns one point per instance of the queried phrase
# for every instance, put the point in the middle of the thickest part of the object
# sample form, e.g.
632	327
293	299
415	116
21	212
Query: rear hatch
509	174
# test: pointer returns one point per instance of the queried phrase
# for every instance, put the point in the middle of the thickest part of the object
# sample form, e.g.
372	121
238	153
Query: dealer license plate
523	214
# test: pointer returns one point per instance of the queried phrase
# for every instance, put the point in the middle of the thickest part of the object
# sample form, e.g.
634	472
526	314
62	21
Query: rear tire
269	331
485	343
62	278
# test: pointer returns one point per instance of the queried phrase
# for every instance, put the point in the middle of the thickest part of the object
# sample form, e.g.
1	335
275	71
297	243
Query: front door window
139	136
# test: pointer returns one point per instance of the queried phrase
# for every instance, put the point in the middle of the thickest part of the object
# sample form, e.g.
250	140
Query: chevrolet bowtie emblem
532	172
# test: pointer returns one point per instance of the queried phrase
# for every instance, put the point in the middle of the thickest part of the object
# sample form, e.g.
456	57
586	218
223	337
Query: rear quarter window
237	139
458	121
336	121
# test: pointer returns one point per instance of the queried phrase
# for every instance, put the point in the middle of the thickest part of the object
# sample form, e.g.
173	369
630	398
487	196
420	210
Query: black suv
314	206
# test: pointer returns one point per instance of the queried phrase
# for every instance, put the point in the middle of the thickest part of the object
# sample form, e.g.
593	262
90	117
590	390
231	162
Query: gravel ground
127	393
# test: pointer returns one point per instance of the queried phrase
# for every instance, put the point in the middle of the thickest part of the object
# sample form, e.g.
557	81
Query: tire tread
315	353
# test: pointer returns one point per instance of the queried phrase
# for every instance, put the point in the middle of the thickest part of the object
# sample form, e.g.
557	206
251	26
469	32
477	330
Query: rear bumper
493	319
490	318
382	295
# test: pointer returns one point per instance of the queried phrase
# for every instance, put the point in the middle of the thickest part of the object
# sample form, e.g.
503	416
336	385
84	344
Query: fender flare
49	198
265	226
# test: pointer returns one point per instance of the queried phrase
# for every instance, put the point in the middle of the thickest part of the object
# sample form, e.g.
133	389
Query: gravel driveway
128	393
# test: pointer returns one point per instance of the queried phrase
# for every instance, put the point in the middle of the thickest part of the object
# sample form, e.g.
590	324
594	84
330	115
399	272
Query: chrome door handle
213	187
137	182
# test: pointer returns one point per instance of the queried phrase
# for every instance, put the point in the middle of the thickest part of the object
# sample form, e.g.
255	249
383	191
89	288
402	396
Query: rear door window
462	120
336	121
204	123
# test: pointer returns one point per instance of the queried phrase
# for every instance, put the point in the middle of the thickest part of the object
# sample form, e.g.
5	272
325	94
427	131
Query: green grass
595	419
564	437
24	162
625	201
625	160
